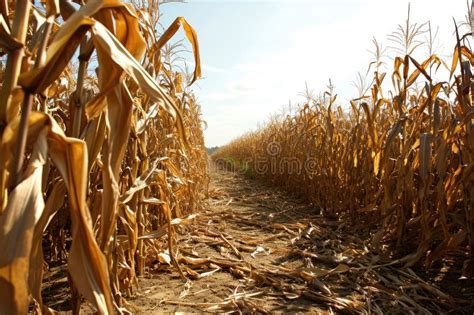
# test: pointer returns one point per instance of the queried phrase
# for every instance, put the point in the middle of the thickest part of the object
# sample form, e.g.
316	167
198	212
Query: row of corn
399	160
101	147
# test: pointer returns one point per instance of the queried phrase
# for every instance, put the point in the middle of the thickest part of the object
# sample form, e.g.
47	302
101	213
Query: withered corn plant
402	158
101	147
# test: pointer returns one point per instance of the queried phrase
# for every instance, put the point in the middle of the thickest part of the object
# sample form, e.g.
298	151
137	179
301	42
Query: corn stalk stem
15	57
4	9
41	56
76	125
13	68
44	43
25	113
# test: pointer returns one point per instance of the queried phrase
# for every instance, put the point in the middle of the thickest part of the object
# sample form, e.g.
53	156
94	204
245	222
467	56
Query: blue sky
258	55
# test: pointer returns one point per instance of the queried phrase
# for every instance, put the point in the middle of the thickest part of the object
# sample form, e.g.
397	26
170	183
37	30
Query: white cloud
208	68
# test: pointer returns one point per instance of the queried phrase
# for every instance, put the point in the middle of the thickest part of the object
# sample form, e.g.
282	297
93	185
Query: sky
258	56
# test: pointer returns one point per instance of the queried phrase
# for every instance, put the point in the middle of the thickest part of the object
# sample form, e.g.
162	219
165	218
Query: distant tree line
211	149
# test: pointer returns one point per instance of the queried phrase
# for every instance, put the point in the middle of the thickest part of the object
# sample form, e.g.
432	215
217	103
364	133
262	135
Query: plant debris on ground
254	249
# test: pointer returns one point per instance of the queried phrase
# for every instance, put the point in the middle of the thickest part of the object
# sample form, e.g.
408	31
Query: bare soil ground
257	250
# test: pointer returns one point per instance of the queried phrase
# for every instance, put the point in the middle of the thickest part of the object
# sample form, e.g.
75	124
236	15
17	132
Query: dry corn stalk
89	109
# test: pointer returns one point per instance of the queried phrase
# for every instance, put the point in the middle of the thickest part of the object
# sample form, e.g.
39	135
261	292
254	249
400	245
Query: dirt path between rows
257	250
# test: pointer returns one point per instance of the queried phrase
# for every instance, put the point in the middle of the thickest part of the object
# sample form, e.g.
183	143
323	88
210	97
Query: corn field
102	157
101	147
399	160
